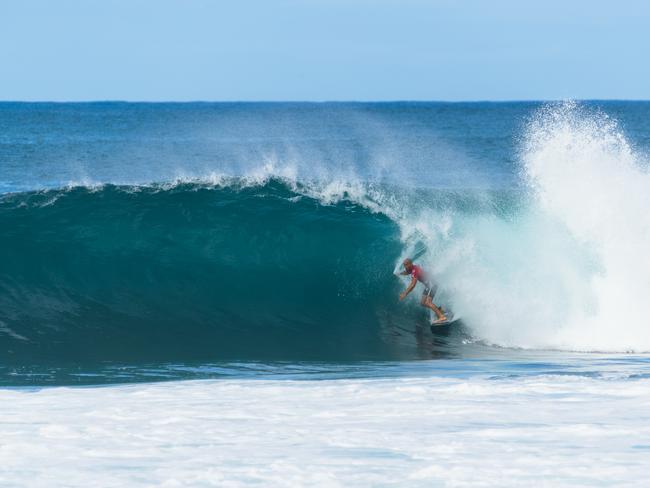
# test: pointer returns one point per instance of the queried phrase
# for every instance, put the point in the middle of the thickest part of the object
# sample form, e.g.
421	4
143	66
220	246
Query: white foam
548	430
588	178
571	269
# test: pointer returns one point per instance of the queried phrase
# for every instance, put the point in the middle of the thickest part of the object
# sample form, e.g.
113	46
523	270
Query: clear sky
324	49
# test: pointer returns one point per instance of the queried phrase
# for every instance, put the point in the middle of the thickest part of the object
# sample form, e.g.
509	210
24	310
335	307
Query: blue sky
324	50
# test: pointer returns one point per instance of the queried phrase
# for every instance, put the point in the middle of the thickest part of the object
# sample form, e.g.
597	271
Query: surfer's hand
402	296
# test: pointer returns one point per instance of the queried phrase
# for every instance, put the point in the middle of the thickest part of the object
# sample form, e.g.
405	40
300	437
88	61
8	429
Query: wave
267	266
196	271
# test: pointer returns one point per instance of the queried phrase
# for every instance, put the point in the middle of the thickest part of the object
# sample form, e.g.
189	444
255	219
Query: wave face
192	271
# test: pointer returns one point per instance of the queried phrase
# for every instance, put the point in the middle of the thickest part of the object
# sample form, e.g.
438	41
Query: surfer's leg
428	302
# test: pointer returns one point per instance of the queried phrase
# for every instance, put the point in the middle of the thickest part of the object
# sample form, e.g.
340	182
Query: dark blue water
157	241
50	145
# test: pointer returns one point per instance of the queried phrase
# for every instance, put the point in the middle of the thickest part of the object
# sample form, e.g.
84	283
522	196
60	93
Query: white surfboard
451	318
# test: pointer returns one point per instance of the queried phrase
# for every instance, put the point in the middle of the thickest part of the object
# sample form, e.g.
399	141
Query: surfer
418	274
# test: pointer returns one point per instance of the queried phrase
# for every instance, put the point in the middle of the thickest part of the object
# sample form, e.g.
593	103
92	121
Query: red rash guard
419	274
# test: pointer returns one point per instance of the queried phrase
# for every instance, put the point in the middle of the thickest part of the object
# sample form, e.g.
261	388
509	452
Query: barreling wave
195	271
269	266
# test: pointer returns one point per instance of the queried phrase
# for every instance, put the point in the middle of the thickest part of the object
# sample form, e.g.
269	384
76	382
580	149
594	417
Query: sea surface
206	294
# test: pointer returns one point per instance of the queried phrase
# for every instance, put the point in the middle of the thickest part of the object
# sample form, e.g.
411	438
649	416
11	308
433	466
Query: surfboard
449	327
451	319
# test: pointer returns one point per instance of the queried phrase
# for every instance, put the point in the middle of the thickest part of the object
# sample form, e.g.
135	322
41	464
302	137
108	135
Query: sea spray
565	265
586	176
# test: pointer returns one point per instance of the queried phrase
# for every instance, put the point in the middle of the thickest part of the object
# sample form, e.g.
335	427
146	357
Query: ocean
206	294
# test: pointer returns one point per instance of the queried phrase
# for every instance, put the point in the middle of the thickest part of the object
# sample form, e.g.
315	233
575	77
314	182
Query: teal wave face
193	272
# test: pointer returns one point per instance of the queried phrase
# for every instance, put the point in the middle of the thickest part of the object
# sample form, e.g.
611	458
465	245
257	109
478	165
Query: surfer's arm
403	295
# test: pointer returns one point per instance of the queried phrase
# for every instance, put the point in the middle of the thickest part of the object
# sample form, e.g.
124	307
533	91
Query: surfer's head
408	265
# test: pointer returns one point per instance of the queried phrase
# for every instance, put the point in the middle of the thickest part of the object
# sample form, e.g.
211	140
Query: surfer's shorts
429	290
